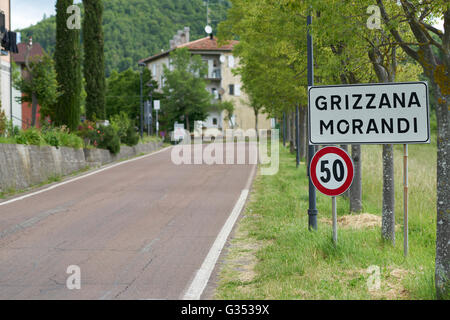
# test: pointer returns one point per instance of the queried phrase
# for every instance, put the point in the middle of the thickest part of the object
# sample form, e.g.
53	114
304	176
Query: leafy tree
418	17
185	95
228	107
39	86
123	92
94	59
68	68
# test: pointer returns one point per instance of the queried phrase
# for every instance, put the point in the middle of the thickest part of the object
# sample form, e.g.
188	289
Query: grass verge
274	256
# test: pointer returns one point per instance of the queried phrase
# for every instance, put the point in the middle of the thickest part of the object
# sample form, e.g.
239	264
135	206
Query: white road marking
198	284
79	178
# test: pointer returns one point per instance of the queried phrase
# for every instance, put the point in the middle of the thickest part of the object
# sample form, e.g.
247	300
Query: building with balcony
220	80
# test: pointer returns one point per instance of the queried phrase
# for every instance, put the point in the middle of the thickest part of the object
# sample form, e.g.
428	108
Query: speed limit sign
331	171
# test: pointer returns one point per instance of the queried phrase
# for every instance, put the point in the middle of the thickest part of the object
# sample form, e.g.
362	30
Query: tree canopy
185	97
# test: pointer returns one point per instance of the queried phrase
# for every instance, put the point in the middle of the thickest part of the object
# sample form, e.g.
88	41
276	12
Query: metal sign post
157	106
405	200
334	213
157	124
312	210
332	172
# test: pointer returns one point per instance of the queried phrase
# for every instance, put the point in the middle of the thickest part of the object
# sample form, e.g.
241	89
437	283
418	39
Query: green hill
135	29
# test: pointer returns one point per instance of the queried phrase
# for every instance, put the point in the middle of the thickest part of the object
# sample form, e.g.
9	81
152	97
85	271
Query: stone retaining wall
23	166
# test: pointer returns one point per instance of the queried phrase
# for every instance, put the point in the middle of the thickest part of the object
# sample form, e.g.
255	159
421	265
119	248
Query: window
215	93
231	86
215	121
231	62
237	90
154	70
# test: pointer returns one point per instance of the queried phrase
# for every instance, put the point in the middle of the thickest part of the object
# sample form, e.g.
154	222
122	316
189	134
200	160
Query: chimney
187	32
182	37
177	40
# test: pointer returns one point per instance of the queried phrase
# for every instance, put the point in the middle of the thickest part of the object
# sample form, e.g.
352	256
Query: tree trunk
34	104
188	126
355	191
439	77
388	211
256	124
442	271
388	214
292	133
303	134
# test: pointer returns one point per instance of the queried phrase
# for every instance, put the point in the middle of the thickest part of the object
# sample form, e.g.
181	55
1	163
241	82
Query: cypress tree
68	68
94	59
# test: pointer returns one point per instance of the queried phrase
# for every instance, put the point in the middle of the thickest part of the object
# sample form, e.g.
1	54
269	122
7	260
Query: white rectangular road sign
157	105
381	113
178	131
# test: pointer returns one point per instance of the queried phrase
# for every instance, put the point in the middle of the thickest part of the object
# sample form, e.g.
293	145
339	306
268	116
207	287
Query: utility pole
141	65
312	211
150	118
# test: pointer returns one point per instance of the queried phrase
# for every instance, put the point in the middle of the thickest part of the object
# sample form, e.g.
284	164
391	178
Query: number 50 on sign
331	171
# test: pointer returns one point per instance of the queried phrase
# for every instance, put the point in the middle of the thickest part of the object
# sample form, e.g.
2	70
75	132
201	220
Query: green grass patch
147	139
293	263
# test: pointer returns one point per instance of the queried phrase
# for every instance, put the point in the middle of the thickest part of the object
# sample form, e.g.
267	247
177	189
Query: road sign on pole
157	107
178	131
332	173
380	113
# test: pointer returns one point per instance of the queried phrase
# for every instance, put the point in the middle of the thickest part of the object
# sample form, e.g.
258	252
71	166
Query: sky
28	12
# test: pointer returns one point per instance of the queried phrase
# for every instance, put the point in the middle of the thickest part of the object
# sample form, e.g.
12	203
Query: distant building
19	59
13	111
220	80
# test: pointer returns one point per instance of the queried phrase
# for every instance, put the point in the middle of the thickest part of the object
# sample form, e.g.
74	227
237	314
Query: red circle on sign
350	171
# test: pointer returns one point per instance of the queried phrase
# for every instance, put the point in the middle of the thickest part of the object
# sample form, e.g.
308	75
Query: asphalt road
139	230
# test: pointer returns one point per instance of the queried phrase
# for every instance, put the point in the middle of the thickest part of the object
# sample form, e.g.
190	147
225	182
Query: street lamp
150	127
141	65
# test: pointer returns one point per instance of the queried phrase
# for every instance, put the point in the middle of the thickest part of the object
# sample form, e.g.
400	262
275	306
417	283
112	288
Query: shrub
3	123
106	138
51	137
121	123
33	137
61	136
70	140
30	136
13	130
21	139
131	138
85	129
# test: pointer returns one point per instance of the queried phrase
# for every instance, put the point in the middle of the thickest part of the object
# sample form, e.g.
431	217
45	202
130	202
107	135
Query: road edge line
201	279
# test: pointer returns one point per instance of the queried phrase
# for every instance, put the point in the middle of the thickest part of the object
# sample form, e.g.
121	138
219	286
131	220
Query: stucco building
9	105
220	80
